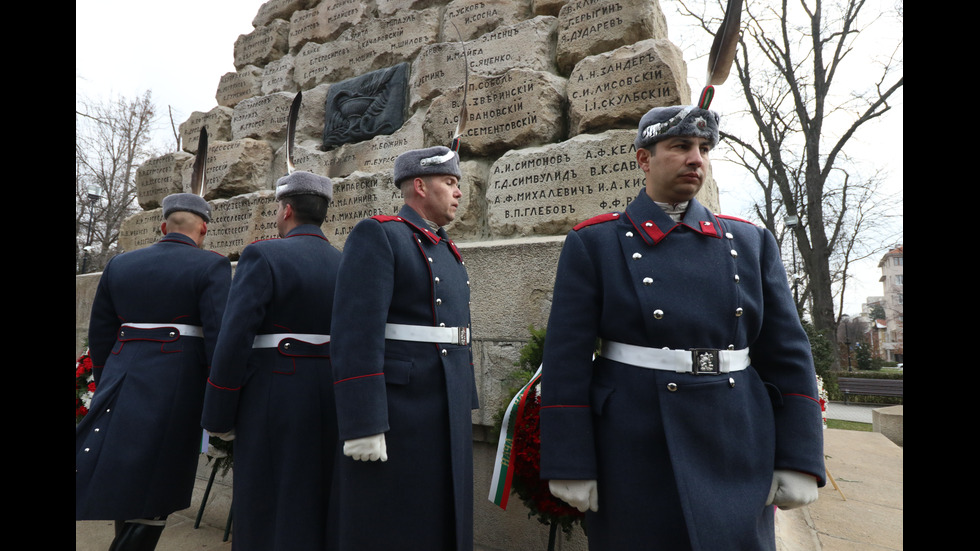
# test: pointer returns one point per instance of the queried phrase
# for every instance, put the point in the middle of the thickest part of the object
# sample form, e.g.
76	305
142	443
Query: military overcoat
137	450
278	399
683	461
419	394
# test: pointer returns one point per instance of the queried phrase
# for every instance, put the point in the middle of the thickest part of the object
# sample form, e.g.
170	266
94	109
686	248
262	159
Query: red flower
527	483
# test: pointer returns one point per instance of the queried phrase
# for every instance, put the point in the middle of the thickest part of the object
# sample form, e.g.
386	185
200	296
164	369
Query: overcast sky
179	49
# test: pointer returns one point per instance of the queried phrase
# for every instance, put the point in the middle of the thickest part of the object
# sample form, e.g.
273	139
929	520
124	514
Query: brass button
729	235
738	312
637	256
286	346
734	253
731	382
437	280
648	281
122	333
658	313
736	278
629	234
172	334
444	353
438	301
672	387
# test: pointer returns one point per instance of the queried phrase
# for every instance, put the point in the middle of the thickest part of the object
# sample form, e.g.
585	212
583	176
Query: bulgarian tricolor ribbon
503	467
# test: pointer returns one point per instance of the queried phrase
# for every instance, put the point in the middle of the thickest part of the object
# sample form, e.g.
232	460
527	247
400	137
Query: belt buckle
705	361
464	336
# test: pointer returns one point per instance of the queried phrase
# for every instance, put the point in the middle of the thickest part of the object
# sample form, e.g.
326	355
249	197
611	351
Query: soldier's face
676	169
441	198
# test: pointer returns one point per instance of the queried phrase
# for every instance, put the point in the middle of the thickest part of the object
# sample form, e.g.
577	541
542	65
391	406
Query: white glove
791	489
581	494
369	448
226	436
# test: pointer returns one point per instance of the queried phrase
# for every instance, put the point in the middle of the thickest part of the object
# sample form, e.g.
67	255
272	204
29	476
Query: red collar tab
708	228
597	220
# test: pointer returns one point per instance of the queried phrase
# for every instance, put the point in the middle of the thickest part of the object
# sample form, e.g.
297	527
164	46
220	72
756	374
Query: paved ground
864	512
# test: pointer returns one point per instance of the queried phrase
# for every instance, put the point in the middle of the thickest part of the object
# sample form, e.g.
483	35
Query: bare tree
787	62
112	138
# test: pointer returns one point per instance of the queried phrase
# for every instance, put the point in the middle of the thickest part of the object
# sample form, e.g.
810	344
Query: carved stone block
262	117
279	9
217	121
158	177
319	63
589	27
358	196
519	108
547	190
366	106
526	45
234	87
264	44
615	89
325	21
241	220
384	42
476	17
277	76
235	167
140	230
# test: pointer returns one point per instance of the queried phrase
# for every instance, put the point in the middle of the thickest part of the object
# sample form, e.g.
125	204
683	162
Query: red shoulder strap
597	220
725	216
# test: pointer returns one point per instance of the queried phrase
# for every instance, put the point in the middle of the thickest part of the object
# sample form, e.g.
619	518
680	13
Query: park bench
870	387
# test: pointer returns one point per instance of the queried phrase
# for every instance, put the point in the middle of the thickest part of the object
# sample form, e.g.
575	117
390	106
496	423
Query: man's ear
643	159
163	227
419	185
204	228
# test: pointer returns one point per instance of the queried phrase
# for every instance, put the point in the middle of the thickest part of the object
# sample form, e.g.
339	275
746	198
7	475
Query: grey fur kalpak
661	123
301	182
426	162
186	202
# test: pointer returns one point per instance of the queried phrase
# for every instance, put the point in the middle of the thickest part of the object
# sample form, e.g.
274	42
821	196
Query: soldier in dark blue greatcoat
403	371
154	323
700	410
270	387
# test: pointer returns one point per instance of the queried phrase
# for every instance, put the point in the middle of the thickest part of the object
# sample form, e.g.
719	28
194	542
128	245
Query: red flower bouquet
84	385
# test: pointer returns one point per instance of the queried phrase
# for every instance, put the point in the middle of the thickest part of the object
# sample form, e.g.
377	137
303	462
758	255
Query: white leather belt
699	361
185	330
425	333
272	340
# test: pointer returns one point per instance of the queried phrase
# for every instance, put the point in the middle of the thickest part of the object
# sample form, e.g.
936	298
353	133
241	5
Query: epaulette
387	218
597	220
737	219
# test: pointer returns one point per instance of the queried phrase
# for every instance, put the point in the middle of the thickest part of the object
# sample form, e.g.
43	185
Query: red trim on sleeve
358	377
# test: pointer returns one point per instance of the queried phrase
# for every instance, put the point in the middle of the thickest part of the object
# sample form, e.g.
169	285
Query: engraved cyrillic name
620	86
588	27
547	190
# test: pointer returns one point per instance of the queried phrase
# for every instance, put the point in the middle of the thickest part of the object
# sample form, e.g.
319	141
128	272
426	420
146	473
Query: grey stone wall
555	91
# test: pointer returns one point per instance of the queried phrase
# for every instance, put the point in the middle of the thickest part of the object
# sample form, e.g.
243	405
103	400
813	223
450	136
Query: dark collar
653	224
306	229
175	237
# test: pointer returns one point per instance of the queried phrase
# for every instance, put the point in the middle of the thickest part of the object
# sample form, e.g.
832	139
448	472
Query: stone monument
555	92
